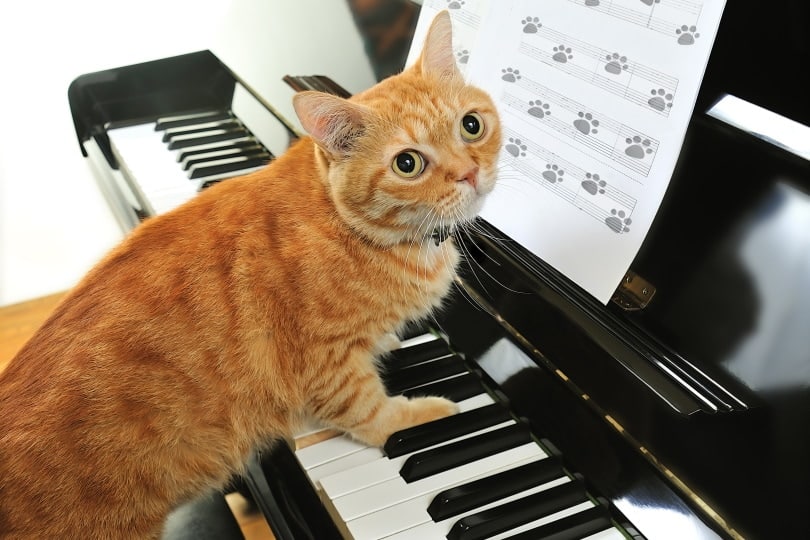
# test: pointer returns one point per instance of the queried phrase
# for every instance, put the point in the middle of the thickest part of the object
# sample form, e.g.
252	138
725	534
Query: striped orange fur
217	327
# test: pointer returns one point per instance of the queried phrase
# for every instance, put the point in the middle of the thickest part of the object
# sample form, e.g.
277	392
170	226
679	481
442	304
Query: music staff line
622	77
597	53
559	169
616	219
683	30
622	145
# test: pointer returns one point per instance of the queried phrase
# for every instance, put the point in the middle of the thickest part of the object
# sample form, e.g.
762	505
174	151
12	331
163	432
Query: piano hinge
634	292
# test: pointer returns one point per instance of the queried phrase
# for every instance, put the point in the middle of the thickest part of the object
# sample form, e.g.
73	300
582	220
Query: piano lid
729	252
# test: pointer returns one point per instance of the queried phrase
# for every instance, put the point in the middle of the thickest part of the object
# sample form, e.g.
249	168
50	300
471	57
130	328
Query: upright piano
684	414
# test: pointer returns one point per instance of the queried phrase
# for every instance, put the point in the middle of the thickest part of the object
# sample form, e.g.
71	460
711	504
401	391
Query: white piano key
417	340
427	528
329	450
609	534
380	470
155	175
349	461
160	182
396	491
542	521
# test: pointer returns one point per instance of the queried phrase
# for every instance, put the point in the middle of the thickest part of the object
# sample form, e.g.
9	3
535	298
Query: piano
679	414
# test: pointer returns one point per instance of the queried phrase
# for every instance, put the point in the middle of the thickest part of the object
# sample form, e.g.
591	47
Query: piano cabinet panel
589	445
732	199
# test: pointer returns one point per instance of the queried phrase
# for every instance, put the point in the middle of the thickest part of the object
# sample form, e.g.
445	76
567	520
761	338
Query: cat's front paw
401	413
427	409
387	343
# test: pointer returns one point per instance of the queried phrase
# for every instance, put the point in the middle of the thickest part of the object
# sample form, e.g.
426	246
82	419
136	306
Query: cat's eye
472	126
408	164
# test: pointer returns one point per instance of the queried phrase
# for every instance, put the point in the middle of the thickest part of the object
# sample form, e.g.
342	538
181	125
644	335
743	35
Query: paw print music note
553	173
562	54
531	25
510	74
687	34
616	63
515	147
586	123
593	184
538	109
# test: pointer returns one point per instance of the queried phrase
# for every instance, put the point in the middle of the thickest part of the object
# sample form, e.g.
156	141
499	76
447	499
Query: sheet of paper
595	97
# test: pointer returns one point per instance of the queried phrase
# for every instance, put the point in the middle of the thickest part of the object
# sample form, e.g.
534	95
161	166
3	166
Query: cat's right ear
333	122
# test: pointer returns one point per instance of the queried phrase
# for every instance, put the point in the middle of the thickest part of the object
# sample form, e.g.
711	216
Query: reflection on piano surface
685	419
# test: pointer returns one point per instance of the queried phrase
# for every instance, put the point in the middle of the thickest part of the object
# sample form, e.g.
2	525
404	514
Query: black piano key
189	119
333	88
455	389
477	493
418	437
399	358
215	136
200	128
237	144
213	155
389	372
226	166
420	374
516	513
573	527
430	462
315	83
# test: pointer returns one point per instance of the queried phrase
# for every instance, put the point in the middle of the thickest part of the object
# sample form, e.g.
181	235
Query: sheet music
595	97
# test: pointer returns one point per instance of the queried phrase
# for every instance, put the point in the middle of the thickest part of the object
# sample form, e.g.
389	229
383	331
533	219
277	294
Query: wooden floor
18	322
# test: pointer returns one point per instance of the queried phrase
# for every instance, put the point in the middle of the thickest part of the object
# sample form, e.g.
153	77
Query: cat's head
416	153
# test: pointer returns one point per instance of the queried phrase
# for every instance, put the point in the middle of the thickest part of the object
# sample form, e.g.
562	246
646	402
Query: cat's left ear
437	54
333	122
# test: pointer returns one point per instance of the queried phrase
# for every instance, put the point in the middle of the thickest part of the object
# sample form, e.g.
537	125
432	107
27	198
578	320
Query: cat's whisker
460	223
481	231
419	242
481	267
426	221
464	254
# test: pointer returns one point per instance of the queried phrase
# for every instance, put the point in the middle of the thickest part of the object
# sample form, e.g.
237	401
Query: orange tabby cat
218	326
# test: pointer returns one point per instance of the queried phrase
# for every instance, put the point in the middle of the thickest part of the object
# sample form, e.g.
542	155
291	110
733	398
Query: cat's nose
471	177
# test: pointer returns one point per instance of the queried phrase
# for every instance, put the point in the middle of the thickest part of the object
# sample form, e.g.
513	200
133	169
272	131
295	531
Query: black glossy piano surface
689	416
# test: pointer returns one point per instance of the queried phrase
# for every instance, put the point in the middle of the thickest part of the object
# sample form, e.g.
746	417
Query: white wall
54	224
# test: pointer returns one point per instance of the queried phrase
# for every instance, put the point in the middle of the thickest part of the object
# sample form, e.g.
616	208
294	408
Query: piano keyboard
167	162
479	474
169	165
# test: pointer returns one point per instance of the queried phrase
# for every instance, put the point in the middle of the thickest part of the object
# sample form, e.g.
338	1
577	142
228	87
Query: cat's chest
429	272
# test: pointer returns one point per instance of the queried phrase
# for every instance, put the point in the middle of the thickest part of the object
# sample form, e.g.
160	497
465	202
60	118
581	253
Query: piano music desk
19	321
